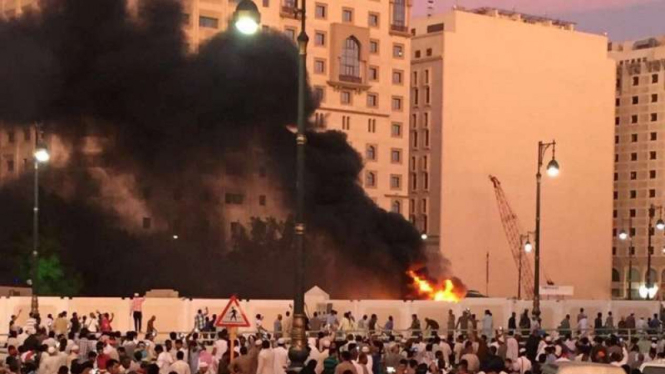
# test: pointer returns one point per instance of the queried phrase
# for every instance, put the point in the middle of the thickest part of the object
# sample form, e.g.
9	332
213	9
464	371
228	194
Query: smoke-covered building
358	68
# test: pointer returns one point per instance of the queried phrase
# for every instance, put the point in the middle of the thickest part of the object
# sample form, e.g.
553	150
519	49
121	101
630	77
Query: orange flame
447	292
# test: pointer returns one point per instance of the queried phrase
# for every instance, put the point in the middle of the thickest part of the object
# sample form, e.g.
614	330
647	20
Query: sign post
231	318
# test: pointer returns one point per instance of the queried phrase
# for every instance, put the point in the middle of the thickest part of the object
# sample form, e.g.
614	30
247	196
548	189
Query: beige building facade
359	68
487	86
639	177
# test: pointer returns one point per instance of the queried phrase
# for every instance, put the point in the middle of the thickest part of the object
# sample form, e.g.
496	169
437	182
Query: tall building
358	66
487	86
639	176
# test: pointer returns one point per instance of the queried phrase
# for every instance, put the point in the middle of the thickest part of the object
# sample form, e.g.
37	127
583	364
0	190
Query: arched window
370	179
371	152
399	13
654	276
351	58
634	275
396	207
616	277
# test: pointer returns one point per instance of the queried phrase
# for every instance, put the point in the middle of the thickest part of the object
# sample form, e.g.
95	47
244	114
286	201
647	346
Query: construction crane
513	230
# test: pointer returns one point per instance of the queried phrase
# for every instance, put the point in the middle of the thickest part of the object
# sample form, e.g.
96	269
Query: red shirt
101	361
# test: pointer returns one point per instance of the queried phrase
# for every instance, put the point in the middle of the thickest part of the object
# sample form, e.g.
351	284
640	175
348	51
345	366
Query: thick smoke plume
169	117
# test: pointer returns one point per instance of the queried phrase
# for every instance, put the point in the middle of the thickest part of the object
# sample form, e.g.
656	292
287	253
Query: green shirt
329	365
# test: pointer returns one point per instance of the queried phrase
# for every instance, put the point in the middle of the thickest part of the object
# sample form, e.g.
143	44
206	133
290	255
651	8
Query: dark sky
621	19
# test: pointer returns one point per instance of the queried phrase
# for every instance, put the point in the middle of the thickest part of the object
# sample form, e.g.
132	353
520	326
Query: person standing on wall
136	311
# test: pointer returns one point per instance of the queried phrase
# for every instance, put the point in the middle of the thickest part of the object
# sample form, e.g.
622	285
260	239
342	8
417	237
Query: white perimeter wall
177	314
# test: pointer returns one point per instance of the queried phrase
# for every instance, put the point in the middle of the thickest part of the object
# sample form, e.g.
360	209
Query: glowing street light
660	225
623	235
423	236
647	292
553	168
247	18
528	247
42	155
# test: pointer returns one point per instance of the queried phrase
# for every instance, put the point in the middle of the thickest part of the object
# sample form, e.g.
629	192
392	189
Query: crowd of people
346	345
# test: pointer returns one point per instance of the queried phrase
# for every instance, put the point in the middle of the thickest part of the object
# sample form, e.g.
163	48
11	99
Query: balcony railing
350	78
399	28
289	11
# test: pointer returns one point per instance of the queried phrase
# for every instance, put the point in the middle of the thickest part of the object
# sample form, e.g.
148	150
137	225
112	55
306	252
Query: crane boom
513	230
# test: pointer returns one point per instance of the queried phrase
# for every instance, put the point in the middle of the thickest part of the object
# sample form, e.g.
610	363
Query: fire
447	292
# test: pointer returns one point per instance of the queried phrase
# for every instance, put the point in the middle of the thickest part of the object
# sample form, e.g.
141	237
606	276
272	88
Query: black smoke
177	118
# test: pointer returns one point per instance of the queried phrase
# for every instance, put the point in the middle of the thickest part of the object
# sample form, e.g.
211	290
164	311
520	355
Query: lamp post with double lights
650	290
40	156
525	246
623	236
246	20
552	171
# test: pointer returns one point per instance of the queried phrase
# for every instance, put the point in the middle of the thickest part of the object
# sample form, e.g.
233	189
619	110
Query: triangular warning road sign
232	316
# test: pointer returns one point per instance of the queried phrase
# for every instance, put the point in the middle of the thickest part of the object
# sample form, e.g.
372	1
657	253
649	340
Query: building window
633	138
423	206
26	134
654	117
616	195
262	200
427	95
398	50
617	102
427	76
347	15
396	130
397	103
208	22
397	76
370	179
346	123
616	120
428	52
396	156
320	39
616	177
633	118
616	157
234	198
416	54
320	94
654	78
399	14
396	207
414	139
373	73
374	47
653	136
373	20
423	221
425	181
424	163
633	156
654	98
652	155
636	81
652	174
351	58
652	193
370	152
395	182
616	139
321	11
415	96
319	66
426	138
371	125
633	175
425	119
372	100
636	100
414	182
633	194
345	97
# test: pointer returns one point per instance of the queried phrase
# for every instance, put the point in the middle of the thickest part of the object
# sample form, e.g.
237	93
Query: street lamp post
552	171
525	245
660	225
246	20
41	155
623	235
